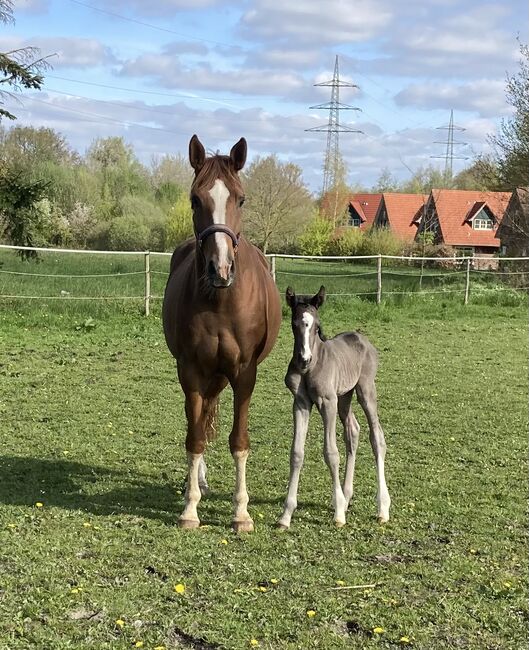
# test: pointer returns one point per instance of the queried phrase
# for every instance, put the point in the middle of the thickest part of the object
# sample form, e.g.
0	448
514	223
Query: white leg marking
202	481
351	434
193	489
297	453
240	495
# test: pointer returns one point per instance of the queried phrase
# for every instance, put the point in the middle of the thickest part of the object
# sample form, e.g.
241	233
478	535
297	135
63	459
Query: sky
158	71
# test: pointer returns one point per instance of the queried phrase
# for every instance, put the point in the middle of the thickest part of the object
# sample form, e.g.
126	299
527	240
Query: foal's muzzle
303	363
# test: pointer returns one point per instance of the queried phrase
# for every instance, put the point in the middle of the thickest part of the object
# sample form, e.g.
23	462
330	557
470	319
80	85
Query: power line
157	27
449	156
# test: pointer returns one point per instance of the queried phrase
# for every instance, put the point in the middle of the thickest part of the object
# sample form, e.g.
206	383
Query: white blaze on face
220	194
308	321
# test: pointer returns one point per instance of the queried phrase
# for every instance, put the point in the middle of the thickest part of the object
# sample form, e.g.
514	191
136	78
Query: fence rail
336	272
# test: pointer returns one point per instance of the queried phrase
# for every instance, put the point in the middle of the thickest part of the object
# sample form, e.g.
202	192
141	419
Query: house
467	220
360	209
400	213
513	232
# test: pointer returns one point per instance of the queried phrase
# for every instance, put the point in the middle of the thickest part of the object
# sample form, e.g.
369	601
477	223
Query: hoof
281	526
339	524
242	526
188	523
383	520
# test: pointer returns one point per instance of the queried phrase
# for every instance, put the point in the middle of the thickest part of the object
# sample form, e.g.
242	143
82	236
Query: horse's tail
211	411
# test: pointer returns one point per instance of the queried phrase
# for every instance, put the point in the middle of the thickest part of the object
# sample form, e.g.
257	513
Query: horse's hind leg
351	431
240	446
367	396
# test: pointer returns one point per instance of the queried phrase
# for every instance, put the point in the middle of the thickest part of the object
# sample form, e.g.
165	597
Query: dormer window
481	223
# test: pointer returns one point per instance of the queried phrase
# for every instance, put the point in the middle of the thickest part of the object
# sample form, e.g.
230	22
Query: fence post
273	267
147	283
379	279
467	283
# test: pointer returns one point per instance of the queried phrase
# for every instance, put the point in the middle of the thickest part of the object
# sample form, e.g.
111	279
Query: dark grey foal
326	373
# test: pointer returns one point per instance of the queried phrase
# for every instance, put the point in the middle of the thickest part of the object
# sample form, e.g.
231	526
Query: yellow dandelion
159	647
179	588
237	591
378	630
311	613
131	432
274	581
75	590
39	504
65	452
86	524
507	584
260	515
473	551
138	644
340	583
224	541
120	622
11	525
254	643
263	589
405	640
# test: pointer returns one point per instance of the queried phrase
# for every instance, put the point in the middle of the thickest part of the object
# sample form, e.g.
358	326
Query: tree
386	182
20	68
278	203
423	180
511	144
171	176
482	174
27	146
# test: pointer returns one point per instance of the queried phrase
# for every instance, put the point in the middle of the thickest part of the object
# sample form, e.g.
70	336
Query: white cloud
485	96
30	6
157	7
64	51
315	23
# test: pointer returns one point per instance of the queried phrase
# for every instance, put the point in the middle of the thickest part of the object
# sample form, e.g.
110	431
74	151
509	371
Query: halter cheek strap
210	230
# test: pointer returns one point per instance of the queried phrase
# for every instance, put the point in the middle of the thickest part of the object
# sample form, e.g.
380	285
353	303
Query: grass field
92	469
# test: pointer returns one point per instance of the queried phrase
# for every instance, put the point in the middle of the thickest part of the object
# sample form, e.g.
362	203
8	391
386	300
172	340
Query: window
355	221
483	224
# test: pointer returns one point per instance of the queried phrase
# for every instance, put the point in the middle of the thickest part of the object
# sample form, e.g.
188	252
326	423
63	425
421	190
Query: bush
179	223
140	226
380	241
316	238
346	242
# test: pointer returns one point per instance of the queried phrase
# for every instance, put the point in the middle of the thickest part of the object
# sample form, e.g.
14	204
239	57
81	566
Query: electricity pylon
333	128
450	142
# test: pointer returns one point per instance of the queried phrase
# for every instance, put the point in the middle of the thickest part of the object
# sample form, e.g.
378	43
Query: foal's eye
241	201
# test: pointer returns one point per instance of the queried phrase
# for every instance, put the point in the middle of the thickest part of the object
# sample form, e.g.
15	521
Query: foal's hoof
339	524
383	520
242	526
188	524
281	526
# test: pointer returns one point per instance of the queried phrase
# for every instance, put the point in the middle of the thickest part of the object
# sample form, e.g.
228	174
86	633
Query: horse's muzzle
221	277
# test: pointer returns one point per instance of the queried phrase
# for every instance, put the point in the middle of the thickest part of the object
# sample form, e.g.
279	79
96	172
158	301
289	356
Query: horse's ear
318	299
197	154
290	297
238	154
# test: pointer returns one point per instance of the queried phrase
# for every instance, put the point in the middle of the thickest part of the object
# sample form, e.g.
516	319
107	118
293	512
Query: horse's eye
195	202
241	201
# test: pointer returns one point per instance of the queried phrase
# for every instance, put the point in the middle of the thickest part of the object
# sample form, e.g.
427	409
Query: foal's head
216	199
305	324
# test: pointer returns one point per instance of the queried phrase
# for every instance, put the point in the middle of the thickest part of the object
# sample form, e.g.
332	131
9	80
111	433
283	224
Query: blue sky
156	72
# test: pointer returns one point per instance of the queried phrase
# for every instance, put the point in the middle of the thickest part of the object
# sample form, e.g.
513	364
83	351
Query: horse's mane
216	167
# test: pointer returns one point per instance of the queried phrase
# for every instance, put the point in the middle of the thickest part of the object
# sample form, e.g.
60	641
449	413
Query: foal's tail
211	411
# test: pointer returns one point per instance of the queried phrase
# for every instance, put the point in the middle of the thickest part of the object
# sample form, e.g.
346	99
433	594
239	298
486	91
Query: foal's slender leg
351	431
195	444
240	445
328	408
367	396
302	408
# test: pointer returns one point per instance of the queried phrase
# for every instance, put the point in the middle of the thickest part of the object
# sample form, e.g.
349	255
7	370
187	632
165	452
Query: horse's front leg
302	408
328	408
240	445
195	444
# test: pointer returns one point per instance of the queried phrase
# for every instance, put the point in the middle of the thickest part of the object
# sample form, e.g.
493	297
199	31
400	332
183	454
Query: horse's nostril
211	268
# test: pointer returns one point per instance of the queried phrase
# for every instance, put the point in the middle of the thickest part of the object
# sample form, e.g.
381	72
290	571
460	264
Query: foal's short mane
213	168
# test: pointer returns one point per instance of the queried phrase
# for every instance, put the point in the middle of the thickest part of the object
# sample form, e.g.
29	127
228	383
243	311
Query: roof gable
403	212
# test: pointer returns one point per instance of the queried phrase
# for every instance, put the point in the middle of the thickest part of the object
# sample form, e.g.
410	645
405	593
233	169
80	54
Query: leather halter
210	230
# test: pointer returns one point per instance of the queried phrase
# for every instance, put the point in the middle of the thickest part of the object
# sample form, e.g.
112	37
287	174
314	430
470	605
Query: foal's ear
317	300
290	297
238	154
197	154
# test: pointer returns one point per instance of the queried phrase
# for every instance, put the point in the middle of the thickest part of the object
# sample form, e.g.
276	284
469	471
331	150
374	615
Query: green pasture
92	470
98	284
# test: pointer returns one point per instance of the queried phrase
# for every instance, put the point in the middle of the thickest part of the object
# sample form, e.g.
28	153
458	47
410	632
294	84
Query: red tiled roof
369	204
403	211
455	207
359	210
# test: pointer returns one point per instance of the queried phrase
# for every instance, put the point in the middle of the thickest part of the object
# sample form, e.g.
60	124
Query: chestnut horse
221	317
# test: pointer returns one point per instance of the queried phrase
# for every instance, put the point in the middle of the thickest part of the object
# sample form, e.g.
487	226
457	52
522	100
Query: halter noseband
210	230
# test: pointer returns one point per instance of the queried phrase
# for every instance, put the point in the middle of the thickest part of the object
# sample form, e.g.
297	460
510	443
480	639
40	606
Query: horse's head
216	198
305	324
